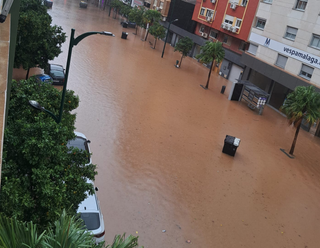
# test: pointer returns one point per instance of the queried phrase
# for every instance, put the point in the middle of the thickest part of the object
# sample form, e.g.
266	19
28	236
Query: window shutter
307	69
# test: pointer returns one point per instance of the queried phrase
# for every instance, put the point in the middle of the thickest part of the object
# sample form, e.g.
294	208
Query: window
209	13
155	2
315	42
253	49
306	72
291	33
202	11
260	23
213	34
242	46
228	19
267	1
202	28
301	4
227	39
238	23
244	2
281	61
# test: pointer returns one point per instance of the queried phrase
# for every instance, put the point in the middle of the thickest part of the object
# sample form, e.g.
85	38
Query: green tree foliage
125	10
136	15
149	17
116	5
183	46
66	232
302	103
158	32
40	175
211	51
37	41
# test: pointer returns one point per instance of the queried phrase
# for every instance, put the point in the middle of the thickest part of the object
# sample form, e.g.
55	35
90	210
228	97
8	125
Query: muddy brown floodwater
157	139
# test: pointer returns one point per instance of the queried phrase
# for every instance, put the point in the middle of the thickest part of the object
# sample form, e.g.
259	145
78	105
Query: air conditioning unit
157	8
228	27
213	1
223	25
209	18
204	35
164	19
233	5
234	29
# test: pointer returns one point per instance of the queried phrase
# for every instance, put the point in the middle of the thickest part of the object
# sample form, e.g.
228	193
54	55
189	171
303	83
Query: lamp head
107	33
36	105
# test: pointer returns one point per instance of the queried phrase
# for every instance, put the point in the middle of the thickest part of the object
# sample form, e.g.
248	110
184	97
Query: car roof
90	204
43	76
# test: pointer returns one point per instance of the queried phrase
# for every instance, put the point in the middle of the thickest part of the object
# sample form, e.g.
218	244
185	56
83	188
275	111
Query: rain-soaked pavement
157	139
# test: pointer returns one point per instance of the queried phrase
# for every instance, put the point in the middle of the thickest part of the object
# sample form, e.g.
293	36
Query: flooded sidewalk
157	138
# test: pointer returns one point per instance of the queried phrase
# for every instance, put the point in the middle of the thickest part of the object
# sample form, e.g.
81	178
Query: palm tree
211	51
66	232
302	103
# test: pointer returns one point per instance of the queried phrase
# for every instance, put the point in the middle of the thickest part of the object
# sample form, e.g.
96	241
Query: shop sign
138	3
303	56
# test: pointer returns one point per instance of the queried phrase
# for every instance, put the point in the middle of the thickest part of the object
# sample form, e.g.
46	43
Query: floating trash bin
124	35
83	4
223	89
230	145
48	3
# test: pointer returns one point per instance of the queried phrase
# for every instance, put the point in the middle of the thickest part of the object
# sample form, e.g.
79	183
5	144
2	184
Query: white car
89	209
82	143
91	214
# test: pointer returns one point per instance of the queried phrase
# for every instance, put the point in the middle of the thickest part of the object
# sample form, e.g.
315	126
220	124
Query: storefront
276	82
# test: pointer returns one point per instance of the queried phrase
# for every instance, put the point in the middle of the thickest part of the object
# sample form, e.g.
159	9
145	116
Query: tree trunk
136	30
207	85
155	42
146	34
295	137
27	73
110	10
180	61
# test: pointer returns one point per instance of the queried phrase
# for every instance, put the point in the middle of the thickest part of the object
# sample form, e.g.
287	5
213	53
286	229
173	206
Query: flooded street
157	139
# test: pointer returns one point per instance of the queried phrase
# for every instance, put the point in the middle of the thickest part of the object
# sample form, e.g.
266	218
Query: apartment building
228	21
160	5
284	49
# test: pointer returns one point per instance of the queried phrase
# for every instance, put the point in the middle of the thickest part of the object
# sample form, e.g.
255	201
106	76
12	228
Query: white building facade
284	49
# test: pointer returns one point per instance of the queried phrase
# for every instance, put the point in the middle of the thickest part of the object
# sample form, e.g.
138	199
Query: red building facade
230	22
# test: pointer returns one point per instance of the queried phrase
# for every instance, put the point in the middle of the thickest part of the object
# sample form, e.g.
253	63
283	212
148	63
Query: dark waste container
230	145
124	35
48	3
125	24
223	89
83	4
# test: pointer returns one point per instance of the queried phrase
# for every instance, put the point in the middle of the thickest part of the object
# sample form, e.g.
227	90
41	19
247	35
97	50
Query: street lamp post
165	42
73	42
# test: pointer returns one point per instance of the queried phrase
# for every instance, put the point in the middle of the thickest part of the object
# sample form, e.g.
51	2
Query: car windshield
57	74
56	68
79	143
91	220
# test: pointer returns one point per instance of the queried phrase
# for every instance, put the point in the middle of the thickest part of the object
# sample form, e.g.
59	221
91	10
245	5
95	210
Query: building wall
280	14
222	8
